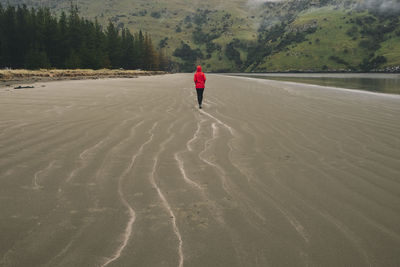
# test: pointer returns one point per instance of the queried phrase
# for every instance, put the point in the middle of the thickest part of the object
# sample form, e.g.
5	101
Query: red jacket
199	78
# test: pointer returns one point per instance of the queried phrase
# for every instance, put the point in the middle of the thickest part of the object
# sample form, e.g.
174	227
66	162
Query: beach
129	172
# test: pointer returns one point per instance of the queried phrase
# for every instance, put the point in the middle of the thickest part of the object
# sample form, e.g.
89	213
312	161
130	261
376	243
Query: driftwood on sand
23	87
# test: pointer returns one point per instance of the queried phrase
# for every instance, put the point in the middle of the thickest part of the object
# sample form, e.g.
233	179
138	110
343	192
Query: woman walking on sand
199	80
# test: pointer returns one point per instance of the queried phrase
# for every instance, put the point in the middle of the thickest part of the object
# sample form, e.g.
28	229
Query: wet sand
129	172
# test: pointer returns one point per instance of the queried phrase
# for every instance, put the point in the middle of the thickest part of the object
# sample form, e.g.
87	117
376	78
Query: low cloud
259	2
383	5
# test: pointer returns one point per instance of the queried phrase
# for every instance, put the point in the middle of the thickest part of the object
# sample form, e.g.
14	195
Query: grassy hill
342	40
250	35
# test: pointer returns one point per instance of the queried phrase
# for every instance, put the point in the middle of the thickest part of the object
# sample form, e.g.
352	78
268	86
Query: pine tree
9	28
62	46
100	44
150	55
164	62
128	48
21	43
2	37
50	34
113	45
74	38
88	50
139	44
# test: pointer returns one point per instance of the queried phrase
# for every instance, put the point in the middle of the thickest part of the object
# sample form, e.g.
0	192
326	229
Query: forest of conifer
35	38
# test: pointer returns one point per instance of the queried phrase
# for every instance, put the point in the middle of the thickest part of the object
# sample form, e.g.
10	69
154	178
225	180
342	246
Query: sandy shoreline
128	172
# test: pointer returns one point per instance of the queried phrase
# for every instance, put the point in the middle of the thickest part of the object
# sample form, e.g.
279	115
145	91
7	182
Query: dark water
382	83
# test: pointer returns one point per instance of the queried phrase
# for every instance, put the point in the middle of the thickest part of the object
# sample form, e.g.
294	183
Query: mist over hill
258	35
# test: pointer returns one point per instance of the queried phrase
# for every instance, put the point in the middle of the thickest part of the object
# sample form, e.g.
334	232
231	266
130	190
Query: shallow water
382	83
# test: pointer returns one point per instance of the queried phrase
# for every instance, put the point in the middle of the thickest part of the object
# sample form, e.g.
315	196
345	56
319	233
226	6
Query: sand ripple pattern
129	172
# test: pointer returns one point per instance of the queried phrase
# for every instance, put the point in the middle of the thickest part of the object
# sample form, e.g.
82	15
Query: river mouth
372	82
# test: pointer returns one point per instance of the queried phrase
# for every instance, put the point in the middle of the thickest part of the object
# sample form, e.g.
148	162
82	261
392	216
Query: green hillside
250	35
340	41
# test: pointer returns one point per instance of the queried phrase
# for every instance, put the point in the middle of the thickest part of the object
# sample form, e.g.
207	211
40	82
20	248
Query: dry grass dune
128	172
8	77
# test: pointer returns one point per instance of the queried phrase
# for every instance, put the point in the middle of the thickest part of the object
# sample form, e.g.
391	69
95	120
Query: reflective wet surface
374	82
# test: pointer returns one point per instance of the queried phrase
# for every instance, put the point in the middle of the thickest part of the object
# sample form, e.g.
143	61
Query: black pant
199	95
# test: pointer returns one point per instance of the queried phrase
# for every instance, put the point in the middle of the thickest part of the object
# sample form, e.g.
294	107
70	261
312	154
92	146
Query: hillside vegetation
326	38
250	35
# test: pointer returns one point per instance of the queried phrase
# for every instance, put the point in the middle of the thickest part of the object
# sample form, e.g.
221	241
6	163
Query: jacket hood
199	68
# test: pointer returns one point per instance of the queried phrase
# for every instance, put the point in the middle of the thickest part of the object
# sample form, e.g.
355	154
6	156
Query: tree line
35	38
